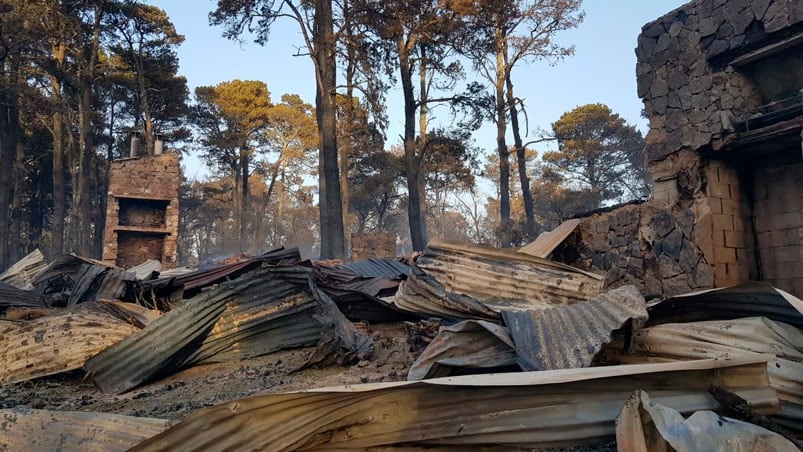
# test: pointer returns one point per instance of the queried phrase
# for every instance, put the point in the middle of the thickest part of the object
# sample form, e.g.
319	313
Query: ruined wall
649	245
373	244
718	217
778	190
142	211
690	93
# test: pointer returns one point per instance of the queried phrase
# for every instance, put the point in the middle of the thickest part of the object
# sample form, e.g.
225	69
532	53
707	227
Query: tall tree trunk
59	180
245	164
85	138
415	214
15	230
501	145
85	149
521	157
59	183
150	138
345	148
237	203
9	137
332	236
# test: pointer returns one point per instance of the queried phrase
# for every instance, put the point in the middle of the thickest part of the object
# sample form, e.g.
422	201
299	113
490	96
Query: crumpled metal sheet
564	337
645	426
424	295
470	345
261	312
31	430
22	273
59	342
504	279
519	410
146	269
11	296
359	296
779	343
191	284
378	268
754	299
82	279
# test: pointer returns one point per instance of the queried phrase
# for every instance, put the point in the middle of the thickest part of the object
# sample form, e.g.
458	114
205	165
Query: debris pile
510	350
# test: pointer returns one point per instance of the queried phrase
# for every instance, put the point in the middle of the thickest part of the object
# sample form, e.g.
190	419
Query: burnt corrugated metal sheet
161	346
424	295
11	296
755	299
546	242
80	279
264	319
146	269
24	271
504	278
359	297
779	343
471	346
32	430
148	292
564	337
378	268
520	410
261	312
59	342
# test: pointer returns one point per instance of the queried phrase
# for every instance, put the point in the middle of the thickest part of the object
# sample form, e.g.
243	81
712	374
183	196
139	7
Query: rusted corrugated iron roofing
11	296
58	343
564	337
24	271
467	345
32	430
261	312
378	268
755	299
192	283
521	410
424	295
506	279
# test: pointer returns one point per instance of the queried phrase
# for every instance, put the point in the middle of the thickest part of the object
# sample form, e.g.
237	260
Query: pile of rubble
510	351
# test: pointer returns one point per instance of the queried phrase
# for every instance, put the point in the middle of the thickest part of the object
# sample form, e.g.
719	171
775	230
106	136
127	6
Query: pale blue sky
602	69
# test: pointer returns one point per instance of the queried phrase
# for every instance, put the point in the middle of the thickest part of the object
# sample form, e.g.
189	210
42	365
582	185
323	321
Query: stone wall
690	93
711	222
147	225
647	245
373	244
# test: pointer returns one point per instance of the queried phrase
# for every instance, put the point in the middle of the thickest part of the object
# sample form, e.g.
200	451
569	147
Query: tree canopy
601	152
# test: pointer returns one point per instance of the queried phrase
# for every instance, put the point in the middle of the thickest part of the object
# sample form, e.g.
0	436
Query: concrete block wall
732	231
779	225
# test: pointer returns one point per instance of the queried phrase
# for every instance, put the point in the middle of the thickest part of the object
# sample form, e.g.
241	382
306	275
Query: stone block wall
711	222
372	245
691	96
644	245
147	226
